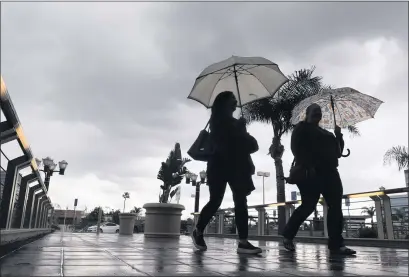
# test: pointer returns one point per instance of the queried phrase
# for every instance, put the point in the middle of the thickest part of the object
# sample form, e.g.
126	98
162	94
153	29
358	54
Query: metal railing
375	214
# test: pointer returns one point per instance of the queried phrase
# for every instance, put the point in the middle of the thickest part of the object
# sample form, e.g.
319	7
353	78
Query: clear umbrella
249	78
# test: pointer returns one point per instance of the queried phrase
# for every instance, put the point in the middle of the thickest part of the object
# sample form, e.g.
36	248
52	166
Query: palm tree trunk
277	151
280	194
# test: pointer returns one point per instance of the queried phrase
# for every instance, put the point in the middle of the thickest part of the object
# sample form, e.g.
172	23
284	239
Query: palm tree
398	154
125	196
277	111
370	211
401	214
136	210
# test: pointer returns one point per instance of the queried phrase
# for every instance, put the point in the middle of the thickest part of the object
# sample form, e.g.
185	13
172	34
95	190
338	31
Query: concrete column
22	199
28	202
387	211
325	214
9	190
221	223
36	207
39	213
261	228
51	217
45	221
289	209
43	214
379	217
34	201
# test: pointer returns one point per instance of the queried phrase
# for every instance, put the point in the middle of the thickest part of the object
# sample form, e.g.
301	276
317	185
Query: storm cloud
104	85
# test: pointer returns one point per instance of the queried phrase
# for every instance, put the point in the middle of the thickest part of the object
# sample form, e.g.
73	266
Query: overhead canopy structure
11	129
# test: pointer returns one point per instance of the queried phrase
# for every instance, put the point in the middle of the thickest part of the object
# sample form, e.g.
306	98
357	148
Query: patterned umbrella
343	107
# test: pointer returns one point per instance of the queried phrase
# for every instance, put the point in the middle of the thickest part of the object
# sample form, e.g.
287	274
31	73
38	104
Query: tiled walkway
66	254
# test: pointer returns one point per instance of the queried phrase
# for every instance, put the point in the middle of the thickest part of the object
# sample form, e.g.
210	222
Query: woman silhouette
231	163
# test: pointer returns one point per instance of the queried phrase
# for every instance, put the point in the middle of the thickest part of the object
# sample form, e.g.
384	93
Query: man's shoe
198	241
288	245
343	251
248	248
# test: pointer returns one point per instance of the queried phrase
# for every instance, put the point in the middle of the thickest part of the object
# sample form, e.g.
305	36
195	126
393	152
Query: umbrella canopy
249	78
350	107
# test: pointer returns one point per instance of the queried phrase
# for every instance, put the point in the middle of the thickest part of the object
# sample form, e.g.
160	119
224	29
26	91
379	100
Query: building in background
59	216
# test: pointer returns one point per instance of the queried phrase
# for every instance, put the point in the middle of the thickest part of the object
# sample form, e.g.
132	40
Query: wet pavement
66	254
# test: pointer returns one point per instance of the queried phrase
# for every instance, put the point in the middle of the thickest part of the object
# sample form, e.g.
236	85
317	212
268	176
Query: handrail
11	115
345	196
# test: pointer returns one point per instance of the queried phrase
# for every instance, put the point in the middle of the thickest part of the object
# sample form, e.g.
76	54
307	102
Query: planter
126	223
162	219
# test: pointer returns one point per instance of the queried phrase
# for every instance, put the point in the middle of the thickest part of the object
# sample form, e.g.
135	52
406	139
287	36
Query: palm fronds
368	210
353	130
171	173
398	154
278	109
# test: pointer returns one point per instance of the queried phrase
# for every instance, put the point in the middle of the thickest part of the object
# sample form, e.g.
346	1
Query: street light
264	175
193	177
49	168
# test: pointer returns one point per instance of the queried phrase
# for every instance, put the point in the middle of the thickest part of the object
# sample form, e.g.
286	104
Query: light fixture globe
187	176
52	166
62	164
194	177
202	174
48	162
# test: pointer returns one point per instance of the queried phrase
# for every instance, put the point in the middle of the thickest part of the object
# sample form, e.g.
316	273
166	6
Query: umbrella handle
237	87
347	154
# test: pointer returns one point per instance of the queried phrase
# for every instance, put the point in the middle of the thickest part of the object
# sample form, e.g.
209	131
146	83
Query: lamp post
49	168
264	175
195	183
407	177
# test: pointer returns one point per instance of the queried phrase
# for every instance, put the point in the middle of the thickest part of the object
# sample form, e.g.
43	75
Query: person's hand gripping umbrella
341	108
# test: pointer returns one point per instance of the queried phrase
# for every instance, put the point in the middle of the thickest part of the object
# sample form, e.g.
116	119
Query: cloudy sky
104	85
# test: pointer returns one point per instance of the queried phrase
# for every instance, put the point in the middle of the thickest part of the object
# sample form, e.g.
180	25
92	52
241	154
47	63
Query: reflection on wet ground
66	254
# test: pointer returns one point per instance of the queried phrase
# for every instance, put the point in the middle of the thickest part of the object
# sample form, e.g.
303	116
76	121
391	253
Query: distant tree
370	211
136	210
125	196
399	155
115	216
93	215
401	214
